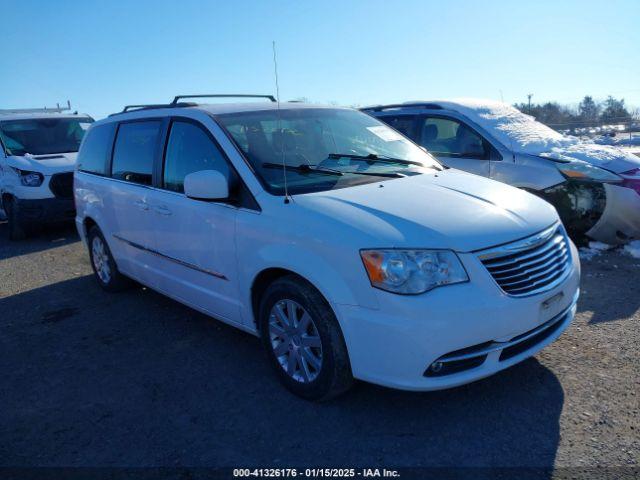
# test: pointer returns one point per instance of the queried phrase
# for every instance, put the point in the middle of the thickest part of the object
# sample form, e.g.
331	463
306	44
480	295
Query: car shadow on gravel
619	297
137	379
44	239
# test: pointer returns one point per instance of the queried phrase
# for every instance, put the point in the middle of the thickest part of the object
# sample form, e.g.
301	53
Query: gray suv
595	188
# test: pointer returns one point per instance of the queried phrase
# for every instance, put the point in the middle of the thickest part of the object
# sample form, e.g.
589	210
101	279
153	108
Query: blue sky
104	54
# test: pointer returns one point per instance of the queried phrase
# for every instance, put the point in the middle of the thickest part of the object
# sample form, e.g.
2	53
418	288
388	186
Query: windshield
360	148
41	136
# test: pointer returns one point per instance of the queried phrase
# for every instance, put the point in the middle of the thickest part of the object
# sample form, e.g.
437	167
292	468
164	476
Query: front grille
61	185
530	266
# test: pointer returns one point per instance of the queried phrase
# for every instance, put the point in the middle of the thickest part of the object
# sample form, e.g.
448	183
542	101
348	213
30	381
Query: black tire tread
17	230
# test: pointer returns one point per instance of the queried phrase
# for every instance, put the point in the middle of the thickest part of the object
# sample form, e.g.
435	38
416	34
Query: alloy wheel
295	341
101	260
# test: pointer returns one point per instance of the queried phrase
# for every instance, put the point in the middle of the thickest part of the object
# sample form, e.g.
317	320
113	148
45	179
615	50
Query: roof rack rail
150	106
176	103
128	108
269	97
56	109
379	108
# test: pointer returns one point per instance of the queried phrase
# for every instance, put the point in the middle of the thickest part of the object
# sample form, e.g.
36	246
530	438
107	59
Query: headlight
587	172
30	179
411	272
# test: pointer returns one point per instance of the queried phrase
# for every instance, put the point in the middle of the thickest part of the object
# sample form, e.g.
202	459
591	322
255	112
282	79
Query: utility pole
529	97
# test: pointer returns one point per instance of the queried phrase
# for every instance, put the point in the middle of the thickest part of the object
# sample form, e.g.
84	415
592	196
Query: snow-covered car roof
510	126
522	133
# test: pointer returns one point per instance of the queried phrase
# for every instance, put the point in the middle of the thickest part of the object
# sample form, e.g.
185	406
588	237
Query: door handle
162	210
141	204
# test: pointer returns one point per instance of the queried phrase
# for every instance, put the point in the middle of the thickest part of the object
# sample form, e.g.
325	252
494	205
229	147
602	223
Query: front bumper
395	345
620	220
46	210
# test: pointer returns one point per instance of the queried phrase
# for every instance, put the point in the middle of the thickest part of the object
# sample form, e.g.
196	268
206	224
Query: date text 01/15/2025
316	472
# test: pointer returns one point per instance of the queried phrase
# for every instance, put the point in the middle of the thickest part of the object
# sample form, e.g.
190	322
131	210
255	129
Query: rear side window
189	150
95	150
134	151
405	124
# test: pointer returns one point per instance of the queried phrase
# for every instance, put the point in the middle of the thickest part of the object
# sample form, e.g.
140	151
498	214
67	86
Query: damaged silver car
595	188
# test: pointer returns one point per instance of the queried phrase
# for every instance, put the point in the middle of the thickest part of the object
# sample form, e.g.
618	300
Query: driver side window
189	150
446	137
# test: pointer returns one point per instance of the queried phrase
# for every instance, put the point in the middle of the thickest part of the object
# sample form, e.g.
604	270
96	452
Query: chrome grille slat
529	266
548	271
557	258
516	257
536	284
554	253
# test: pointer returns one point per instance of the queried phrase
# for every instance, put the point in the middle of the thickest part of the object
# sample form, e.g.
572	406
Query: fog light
436	367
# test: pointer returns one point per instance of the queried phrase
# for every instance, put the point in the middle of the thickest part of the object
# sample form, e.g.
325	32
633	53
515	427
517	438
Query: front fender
532	172
349	286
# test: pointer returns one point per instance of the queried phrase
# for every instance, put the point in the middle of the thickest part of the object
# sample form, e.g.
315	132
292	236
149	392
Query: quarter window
134	151
95	149
445	137
190	150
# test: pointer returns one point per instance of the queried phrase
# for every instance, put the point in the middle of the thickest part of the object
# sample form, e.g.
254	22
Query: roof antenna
284	165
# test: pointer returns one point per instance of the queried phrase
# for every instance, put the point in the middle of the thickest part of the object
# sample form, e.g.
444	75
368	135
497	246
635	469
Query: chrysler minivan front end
483	311
477	278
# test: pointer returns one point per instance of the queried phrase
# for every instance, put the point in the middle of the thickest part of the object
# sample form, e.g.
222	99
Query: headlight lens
30	179
587	172
411	272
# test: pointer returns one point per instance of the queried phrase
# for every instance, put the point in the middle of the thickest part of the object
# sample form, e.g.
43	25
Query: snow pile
633	249
589	152
593	250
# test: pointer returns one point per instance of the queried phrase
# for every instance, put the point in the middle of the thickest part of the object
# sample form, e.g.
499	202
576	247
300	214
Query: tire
17	229
103	264
316	349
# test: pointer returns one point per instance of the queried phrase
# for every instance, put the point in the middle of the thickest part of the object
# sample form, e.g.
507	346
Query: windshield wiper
304	168
374	158
377	174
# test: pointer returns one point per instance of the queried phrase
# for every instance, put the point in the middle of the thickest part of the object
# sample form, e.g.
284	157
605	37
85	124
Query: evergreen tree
588	111
614	111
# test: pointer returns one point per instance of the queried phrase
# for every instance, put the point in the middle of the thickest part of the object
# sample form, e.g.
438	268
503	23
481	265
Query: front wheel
17	230
303	340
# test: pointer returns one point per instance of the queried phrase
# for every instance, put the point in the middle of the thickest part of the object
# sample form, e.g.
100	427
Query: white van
37	160
350	250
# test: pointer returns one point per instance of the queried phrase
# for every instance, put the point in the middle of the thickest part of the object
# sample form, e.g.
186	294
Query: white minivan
347	248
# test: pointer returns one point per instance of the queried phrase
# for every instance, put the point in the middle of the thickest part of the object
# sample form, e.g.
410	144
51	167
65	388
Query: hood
605	156
450	209
45	164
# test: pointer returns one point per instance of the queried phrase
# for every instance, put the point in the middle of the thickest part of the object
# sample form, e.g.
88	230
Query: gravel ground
136	379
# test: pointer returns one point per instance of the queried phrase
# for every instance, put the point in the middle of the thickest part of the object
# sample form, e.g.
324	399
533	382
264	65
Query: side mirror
206	185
